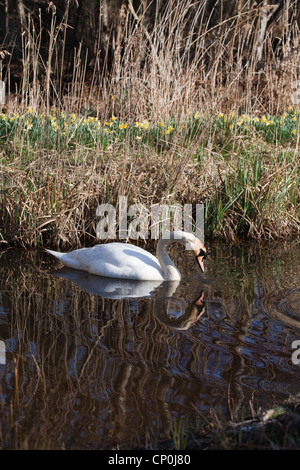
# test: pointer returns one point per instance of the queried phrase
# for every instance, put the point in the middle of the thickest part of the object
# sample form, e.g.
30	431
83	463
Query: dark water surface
83	368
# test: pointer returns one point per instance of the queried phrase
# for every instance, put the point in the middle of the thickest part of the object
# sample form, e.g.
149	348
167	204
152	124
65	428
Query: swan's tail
57	254
66	259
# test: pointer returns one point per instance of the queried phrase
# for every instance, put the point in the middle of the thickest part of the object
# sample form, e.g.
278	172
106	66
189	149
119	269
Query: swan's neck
170	271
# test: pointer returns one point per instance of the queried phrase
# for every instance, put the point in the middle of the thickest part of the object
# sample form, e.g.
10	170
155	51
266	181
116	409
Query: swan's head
191	243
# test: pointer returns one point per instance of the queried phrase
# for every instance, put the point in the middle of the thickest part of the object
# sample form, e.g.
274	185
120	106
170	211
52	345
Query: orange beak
200	257
200	262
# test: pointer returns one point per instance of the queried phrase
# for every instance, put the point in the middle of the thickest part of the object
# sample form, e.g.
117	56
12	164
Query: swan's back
117	260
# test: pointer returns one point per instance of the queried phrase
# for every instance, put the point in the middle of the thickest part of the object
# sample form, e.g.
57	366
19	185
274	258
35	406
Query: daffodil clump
274	129
55	130
62	130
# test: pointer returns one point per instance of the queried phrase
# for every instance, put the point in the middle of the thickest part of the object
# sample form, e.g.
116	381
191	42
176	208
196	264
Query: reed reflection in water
84	371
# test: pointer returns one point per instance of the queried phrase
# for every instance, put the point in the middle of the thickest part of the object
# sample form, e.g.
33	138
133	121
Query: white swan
124	261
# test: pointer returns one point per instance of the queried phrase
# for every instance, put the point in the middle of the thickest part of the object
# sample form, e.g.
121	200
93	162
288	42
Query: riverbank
273	429
56	170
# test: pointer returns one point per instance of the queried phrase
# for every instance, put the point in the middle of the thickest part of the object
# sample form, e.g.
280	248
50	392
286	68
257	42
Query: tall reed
164	59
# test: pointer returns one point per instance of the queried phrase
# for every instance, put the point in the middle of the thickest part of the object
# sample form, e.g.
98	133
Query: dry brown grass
162	66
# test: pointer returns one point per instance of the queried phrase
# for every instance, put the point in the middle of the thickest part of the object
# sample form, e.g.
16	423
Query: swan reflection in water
161	291
191	313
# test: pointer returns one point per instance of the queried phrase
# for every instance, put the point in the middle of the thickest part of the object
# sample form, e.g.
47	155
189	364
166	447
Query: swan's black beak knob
202	255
